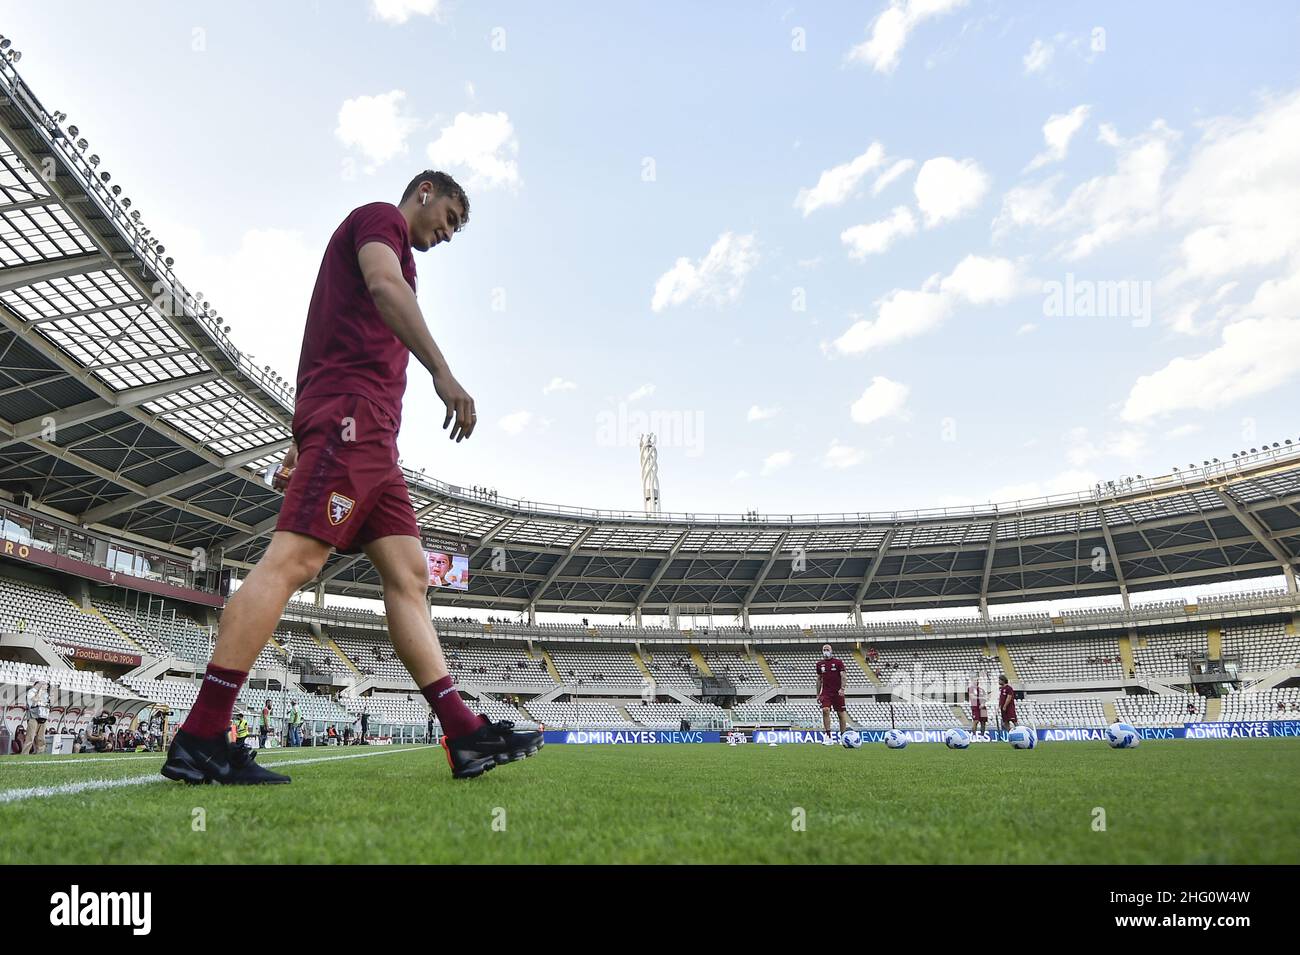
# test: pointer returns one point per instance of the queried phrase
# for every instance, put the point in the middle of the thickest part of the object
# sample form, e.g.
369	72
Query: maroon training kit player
1006	703
347	492
830	689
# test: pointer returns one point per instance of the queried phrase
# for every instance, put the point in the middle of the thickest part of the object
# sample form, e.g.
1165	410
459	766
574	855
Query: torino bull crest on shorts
340	508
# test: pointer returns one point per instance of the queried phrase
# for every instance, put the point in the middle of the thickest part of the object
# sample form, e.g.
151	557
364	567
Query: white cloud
484	144
1027	206
836	185
1240	194
1027	328
901	314
1065	482
261	287
887	177
842	456
1255	355
375	125
1103	209
1081	449
645	391
399	11
716	279
907	313
1182	431
558	384
1057	133
881	399
776	461
1240	200
889	31
761	414
1039	56
516	422
947	188
983	281
876	237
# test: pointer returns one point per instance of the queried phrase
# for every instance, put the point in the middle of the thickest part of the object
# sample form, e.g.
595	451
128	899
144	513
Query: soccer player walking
1006	703
347	492
830	690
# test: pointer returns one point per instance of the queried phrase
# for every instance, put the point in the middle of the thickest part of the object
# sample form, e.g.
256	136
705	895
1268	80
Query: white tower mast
649	474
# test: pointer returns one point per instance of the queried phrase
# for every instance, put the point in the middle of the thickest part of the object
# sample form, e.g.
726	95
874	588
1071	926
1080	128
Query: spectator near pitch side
350	495
979	717
295	725
241	729
264	727
38	713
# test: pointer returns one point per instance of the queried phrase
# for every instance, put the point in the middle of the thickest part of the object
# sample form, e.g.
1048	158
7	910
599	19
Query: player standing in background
979	716
830	691
347	491
1006	703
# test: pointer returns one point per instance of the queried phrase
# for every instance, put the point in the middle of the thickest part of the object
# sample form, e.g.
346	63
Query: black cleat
490	745
192	759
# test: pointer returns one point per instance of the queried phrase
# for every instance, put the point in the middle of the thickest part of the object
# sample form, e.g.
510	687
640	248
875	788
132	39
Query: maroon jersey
346	347
832	674
1007	699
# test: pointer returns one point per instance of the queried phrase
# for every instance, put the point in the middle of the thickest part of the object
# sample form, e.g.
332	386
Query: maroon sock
212	710
456	718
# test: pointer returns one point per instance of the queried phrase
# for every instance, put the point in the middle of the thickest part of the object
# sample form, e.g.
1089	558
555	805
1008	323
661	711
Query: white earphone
424	199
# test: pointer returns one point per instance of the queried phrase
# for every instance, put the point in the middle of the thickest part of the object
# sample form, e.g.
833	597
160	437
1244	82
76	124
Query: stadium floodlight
160	249
169	261
5	42
117	190
15	56
73	131
82	144
104	177
126	203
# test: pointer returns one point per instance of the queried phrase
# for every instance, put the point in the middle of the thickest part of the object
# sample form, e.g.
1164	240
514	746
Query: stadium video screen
448	565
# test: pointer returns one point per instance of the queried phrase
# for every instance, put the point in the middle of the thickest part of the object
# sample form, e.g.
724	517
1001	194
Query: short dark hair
443	185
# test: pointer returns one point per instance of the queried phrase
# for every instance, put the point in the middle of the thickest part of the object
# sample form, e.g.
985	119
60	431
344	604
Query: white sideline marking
68	789
74	761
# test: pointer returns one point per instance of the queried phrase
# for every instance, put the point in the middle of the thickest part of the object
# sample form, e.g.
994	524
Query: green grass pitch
1203	801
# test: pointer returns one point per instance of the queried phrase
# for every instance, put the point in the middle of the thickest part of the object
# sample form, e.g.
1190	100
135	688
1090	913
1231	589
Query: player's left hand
460	406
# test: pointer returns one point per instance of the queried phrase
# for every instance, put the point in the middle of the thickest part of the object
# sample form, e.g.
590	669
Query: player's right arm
400	311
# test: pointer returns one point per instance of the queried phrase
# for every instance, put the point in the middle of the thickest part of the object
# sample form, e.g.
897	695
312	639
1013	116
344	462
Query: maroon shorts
347	489
1009	716
977	715
832	701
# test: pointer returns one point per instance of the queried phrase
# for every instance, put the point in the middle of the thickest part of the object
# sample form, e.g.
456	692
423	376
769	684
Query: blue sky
815	244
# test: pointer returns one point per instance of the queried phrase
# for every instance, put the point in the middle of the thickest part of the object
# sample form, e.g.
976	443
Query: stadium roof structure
126	407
